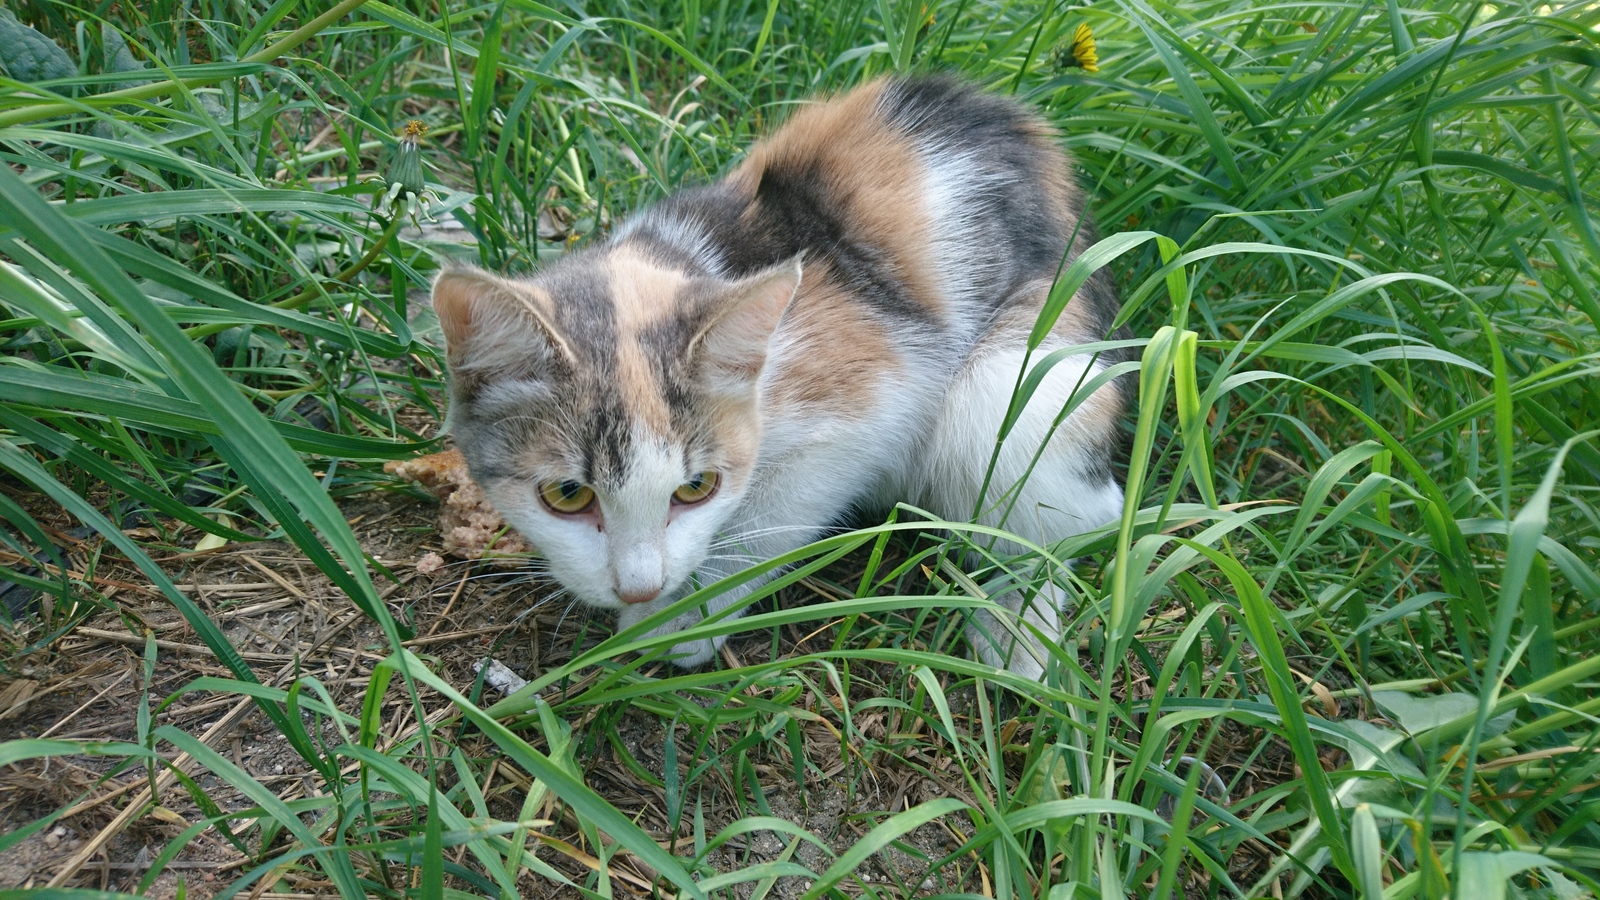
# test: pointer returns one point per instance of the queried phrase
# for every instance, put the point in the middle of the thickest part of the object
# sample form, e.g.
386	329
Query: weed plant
1342	643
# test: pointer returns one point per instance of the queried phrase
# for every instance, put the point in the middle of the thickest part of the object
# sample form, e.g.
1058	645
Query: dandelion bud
405	168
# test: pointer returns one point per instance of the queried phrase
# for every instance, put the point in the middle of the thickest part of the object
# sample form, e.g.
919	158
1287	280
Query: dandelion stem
314	290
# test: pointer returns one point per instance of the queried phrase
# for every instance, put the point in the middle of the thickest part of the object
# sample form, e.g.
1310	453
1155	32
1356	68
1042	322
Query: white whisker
564	613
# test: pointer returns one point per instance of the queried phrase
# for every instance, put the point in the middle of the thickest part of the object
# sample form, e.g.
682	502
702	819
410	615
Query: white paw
1011	645
690	654
685	654
1014	656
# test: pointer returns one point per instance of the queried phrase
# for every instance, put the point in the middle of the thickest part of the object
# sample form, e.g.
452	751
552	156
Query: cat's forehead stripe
600	302
643	292
643	295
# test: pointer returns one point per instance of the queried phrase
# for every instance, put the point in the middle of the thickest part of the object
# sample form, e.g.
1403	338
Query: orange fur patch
840	356
1016	320
873	174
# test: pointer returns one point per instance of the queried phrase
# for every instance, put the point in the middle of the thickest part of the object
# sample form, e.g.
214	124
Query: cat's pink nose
638	596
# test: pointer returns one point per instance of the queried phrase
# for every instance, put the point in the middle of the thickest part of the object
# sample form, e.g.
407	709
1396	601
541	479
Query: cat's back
934	199
928	200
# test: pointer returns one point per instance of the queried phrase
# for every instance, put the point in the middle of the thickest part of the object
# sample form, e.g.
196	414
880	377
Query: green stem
154	89
280	393
315	289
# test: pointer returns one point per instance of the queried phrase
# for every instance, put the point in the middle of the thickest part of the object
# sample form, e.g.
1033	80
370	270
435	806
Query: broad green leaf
1490	873
27	55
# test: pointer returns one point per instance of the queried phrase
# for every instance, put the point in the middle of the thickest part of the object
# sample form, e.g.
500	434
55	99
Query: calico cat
835	326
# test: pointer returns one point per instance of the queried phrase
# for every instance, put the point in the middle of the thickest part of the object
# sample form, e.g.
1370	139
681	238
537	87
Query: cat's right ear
496	328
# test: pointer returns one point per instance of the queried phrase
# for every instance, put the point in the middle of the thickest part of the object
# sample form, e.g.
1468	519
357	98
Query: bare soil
288	620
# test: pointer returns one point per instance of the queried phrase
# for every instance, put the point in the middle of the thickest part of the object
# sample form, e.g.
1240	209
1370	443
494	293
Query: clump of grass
1340	644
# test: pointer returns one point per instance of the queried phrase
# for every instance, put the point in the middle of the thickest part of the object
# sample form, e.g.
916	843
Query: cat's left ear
732	347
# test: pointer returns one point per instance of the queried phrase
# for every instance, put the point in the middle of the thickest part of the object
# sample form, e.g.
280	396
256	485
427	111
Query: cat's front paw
690	654
686	654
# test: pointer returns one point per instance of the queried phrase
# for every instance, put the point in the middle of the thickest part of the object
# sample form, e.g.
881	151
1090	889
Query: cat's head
609	407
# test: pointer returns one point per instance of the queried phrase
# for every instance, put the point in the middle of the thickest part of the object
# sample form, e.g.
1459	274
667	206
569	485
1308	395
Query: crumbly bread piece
467	521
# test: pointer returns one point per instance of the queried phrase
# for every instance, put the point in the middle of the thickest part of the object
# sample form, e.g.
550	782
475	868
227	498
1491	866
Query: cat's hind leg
1070	488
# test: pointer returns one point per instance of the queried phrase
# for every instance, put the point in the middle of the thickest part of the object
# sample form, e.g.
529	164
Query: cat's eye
697	489
566	497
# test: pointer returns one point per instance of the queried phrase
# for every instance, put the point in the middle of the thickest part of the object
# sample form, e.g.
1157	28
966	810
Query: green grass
1358	243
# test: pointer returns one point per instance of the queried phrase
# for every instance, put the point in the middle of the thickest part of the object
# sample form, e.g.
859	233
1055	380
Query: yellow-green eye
566	497
697	489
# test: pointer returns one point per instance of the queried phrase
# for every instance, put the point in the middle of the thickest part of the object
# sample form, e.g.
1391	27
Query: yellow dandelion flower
414	131
1082	51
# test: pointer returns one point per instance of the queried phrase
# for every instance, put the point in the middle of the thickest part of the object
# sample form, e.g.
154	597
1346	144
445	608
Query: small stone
278	769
